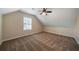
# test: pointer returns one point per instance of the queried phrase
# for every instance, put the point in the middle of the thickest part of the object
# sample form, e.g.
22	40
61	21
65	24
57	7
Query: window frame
26	24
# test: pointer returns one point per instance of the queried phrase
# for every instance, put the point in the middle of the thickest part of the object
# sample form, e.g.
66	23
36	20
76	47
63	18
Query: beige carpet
41	42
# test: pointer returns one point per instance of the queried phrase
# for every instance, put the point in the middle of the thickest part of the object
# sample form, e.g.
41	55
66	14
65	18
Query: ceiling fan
45	11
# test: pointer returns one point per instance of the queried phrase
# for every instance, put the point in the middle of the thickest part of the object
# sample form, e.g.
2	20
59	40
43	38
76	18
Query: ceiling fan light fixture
43	13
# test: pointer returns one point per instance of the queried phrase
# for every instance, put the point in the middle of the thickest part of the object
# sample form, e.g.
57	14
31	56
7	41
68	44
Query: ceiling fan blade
48	11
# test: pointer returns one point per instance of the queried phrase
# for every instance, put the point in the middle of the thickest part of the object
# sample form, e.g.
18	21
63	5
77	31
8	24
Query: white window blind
27	23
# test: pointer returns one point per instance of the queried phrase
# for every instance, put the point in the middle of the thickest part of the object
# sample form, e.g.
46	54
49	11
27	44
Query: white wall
76	30
66	31
0	29
13	25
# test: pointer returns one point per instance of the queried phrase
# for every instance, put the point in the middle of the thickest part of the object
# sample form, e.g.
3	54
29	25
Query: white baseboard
12	38
17	37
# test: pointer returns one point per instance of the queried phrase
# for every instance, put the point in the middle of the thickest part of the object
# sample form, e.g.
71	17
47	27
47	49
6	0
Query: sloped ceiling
65	17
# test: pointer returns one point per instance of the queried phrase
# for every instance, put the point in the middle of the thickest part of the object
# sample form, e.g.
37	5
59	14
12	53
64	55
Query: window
27	23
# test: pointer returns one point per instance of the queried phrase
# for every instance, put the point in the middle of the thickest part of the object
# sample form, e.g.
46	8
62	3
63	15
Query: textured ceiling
59	16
